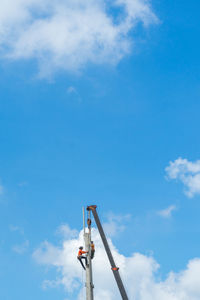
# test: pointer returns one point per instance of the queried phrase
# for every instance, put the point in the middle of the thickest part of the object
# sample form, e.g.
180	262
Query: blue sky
101	132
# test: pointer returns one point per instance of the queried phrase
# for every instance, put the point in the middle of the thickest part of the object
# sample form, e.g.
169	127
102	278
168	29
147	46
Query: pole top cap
91	207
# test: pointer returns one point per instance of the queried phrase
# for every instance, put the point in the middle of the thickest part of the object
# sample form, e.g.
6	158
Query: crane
114	268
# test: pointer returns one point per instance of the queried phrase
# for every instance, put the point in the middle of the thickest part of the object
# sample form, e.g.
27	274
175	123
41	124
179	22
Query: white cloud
21	248
139	273
67	232
69	34
187	172
167	212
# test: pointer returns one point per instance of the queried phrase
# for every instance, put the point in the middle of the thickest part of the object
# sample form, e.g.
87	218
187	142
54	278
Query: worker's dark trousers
80	259
92	254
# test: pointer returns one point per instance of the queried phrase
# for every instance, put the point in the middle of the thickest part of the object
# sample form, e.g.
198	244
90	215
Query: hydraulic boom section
109	254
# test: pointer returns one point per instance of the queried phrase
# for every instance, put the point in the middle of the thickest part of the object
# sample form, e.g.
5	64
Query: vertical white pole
89	280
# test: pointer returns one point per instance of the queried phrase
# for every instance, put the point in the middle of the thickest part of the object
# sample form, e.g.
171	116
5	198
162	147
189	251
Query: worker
92	249
81	256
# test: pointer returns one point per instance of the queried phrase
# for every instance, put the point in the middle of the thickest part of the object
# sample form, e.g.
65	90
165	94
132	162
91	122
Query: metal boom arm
109	254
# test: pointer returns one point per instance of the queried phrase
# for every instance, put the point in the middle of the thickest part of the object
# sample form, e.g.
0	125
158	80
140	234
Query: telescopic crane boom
114	268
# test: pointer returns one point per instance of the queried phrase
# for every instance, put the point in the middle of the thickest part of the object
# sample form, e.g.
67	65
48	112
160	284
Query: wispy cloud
69	34
115	224
167	212
21	248
186	172
50	284
23	183
72	91
14	228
